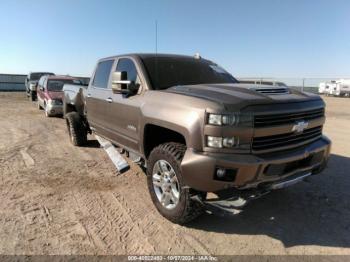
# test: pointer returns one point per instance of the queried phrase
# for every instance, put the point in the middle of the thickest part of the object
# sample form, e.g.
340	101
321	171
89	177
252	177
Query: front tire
39	106
76	129
165	184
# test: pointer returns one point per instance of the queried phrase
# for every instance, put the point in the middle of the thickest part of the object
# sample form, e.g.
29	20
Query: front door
124	112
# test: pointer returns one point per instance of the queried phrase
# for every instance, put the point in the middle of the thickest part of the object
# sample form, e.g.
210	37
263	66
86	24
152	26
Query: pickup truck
198	130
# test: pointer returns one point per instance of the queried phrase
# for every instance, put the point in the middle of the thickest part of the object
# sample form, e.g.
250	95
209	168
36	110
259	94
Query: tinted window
128	66
40	83
102	74
165	72
57	85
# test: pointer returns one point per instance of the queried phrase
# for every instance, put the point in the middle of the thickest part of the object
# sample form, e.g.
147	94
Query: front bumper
252	171
54	109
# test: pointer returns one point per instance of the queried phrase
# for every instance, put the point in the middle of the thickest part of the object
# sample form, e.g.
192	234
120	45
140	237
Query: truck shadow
92	143
310	213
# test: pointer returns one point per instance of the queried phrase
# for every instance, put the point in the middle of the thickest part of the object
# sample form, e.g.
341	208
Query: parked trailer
322	87
342	87
327	88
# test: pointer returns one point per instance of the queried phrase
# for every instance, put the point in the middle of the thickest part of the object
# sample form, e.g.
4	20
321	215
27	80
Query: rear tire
32	96
184	209
76	129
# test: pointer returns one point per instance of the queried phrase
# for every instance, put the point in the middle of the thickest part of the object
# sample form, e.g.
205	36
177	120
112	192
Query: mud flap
117	159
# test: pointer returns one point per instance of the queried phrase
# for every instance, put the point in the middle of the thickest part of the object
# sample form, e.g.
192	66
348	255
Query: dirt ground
59	199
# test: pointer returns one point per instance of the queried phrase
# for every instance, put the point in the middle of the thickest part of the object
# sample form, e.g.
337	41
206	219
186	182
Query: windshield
36	76
57	85
165	72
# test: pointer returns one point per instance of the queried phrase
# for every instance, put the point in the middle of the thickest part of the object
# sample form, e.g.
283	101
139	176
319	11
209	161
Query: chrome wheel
165	184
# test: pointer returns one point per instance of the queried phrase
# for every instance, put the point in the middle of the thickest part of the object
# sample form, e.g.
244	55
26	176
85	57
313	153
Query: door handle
109	100
88	95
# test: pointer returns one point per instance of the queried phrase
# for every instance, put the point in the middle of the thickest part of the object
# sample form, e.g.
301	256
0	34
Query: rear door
96	97
40	93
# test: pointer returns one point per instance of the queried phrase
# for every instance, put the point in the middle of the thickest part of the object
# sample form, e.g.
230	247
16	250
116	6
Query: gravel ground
59	199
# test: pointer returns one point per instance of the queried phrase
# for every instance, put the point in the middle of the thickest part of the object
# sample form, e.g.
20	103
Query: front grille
287	118
285	140
58	102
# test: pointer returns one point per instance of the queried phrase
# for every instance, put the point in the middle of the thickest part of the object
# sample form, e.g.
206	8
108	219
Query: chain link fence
9	82
303	84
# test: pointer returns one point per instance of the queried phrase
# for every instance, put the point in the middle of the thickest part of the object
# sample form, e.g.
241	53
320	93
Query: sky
250	38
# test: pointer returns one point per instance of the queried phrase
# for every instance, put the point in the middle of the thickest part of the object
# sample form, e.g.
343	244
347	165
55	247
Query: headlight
213	141
220	142
215	119
232	119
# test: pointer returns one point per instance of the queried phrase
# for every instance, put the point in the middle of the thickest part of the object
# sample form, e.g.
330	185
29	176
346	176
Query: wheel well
69	108
156	135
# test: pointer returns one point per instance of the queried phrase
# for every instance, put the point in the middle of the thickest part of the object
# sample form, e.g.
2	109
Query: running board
117	159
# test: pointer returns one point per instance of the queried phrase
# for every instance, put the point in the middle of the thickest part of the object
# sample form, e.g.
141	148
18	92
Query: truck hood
55	95
238	96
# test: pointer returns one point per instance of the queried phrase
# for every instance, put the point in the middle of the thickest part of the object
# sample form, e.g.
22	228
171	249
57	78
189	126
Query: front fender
188	122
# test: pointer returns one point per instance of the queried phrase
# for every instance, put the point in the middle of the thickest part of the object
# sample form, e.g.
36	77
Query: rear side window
127	65
102	74
41	81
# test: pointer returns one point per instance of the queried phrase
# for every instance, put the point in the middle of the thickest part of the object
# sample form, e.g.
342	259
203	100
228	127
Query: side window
40	83
102	74
128	66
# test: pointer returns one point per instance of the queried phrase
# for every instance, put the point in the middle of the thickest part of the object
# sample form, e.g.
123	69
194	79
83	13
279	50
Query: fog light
220	172
223	174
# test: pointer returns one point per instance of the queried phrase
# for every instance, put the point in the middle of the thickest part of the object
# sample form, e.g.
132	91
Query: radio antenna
156	37
156	58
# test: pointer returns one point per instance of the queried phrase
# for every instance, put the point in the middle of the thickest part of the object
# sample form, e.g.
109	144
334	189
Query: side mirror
119	82
121	85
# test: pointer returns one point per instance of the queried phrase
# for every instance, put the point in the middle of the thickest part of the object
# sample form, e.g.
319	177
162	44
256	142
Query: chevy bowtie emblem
300	126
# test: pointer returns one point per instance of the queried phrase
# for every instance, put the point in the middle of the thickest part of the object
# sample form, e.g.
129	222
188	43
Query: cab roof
148	55
55	77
